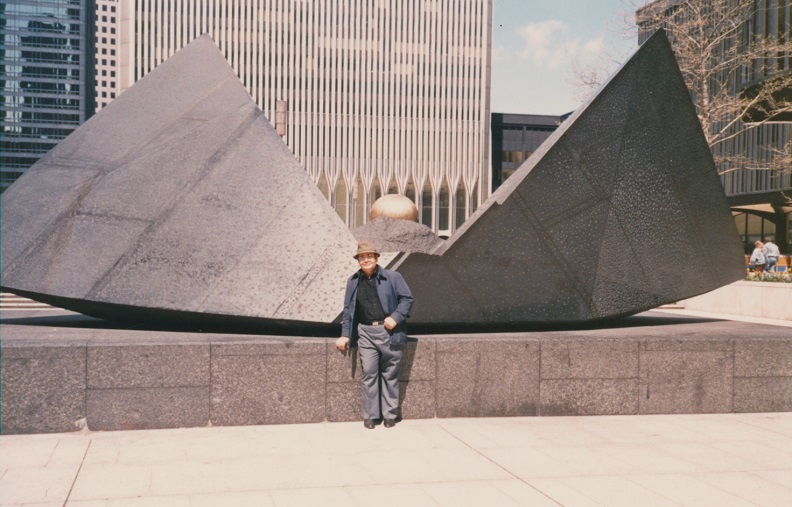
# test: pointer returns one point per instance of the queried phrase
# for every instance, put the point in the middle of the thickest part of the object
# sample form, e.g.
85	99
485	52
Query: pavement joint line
757	426
77	474
645	488
443	427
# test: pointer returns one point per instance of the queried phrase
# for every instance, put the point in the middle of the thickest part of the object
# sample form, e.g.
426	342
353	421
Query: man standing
771	254
377	303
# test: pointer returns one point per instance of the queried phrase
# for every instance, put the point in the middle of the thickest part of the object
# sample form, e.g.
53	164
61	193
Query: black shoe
390	423
368	423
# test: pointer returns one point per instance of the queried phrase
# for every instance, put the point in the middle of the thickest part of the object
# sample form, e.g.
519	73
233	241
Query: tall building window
375	125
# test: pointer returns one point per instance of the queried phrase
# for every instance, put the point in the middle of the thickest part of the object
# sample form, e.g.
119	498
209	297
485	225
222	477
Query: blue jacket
396	300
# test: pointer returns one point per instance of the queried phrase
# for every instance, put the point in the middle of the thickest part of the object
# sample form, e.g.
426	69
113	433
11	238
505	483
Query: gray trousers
379	359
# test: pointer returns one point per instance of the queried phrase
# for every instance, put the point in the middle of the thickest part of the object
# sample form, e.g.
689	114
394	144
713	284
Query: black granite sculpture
620	211
179	203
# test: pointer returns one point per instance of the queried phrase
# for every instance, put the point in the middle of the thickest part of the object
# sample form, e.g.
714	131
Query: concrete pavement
719	459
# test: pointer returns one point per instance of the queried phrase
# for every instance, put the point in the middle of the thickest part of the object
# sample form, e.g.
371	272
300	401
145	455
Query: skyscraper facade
46	67
372	96
107	44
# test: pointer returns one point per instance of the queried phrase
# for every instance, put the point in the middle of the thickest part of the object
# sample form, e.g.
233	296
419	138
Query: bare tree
736	59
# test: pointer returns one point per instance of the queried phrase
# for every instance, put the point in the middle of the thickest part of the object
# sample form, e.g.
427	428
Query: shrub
784	277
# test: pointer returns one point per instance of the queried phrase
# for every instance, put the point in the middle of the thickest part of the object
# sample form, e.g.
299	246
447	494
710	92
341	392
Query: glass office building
43	71
515	137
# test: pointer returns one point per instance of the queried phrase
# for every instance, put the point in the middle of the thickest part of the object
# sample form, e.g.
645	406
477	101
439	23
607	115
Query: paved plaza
718	459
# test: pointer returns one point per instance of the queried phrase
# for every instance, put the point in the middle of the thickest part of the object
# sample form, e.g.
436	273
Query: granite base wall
62	379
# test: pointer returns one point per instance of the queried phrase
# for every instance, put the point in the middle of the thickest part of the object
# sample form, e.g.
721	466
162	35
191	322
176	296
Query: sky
536	45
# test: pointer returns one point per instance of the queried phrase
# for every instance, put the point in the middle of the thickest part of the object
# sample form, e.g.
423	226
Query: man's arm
346	321
404	299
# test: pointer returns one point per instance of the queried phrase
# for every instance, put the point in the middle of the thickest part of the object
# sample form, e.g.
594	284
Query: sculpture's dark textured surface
621	210
179	203
178	197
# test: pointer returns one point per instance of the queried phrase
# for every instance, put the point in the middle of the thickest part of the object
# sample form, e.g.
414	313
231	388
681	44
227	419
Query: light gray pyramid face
179	197
620	211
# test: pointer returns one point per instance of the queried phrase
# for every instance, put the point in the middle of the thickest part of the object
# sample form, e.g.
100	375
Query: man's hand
390	323
342	343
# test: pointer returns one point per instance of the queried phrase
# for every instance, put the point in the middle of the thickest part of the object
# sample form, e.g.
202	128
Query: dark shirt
368	307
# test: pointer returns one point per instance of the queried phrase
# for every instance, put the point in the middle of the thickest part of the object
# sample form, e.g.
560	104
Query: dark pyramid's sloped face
620	211
179	197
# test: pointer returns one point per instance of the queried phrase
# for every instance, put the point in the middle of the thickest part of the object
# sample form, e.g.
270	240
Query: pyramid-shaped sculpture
620	211
177	201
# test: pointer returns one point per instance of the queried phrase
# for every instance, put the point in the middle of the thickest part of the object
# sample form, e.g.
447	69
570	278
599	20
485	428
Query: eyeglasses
363	257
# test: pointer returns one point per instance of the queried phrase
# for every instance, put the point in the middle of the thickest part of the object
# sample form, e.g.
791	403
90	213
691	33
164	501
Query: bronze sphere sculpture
394	206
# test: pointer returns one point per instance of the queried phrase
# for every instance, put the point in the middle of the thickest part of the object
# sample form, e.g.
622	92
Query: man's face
368	262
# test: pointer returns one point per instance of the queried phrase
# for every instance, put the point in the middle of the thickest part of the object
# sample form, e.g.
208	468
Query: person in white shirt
771	255
758	258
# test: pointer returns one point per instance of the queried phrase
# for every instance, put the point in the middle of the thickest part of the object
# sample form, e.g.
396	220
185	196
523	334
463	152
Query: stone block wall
60	380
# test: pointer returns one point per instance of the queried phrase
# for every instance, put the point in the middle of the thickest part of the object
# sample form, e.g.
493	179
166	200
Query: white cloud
499	52
594	46
550	44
